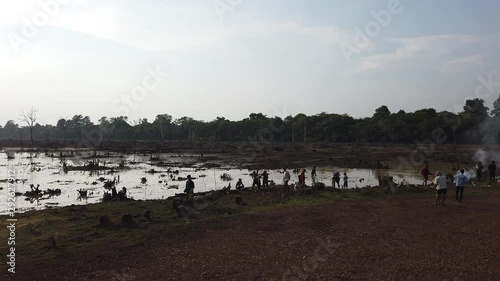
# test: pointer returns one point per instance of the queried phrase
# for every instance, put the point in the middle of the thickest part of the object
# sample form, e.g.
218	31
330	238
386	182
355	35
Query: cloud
426	51
467	63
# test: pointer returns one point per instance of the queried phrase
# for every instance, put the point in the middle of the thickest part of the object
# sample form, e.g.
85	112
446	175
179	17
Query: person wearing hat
441	187
189	186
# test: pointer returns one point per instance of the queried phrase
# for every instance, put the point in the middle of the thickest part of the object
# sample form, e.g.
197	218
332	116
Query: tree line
475	124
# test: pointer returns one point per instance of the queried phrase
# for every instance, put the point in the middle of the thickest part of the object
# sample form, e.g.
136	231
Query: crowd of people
262	180
440	181
459	180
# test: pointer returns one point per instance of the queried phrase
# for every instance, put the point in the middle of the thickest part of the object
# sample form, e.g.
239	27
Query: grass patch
53	233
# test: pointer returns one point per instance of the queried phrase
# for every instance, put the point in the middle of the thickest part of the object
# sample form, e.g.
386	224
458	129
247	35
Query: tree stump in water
386	181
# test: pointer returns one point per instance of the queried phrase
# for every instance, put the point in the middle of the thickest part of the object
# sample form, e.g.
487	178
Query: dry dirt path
398	239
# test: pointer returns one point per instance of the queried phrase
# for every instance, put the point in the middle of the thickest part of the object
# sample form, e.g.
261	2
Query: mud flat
207	162
275	155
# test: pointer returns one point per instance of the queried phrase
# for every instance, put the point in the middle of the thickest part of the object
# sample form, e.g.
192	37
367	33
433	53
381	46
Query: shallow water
47	171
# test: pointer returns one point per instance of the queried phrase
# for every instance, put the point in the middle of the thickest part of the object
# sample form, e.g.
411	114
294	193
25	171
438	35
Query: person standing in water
313	175
189	190
302	178
336	179
286	179
256	179
265	179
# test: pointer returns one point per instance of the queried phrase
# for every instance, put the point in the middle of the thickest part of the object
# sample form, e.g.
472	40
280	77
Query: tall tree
29	118
496	107
163	120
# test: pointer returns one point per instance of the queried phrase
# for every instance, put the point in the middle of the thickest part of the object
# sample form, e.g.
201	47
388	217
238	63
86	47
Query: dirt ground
405	238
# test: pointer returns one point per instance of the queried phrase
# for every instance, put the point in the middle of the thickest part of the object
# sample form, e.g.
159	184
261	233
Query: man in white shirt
286	179
441	187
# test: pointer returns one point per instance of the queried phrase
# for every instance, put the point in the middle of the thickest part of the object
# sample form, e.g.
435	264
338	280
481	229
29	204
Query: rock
319	186
386	181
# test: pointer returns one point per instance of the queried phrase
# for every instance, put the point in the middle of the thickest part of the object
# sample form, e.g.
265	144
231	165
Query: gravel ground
399	239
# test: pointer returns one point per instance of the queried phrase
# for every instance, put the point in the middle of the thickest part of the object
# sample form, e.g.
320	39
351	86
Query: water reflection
145	179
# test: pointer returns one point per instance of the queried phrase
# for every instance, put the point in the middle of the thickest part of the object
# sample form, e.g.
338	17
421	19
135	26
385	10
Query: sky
210	58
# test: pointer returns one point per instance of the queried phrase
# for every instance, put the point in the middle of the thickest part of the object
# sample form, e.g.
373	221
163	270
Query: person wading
302	178
313	175
286	179
189	187
265	179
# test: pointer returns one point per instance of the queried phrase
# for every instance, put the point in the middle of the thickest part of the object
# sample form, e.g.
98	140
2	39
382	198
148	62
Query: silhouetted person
492	169
345	181
302	178
336	179
239	185
313	175
114	194
425	173
479	171
122	194
256	179
265	179
189	187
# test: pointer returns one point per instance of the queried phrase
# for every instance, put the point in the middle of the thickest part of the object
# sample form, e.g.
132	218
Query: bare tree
29	118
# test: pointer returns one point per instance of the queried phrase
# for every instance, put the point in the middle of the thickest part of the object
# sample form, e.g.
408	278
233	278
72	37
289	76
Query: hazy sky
209	58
